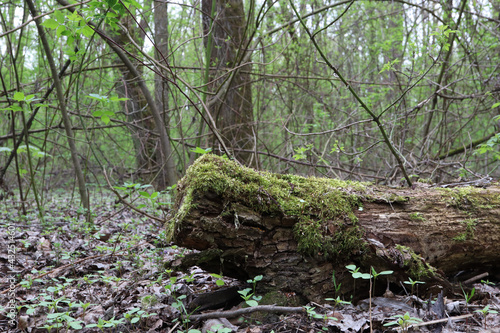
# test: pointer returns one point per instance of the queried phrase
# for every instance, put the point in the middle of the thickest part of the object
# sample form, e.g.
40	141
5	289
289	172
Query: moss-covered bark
296	231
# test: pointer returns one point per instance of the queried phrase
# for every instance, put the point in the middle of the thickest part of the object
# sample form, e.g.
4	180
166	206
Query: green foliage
248	294
390	65
442	34
404	321
413	283
491	146
417	217
105	114
301	152
470	227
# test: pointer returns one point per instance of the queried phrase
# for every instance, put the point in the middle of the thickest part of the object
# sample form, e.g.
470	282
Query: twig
437	321
239	312
475	278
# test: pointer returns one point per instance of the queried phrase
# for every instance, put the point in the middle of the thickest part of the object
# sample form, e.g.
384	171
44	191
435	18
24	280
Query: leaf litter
114	276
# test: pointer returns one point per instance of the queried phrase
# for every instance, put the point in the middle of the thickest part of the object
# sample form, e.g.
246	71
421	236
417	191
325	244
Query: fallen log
297	232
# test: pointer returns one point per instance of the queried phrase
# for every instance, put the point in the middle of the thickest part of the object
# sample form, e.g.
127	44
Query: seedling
375	274
413	283
248	294
486	311
468	297
404	321
337	301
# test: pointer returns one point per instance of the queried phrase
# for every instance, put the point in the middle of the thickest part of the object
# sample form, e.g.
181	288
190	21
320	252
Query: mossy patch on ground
323	207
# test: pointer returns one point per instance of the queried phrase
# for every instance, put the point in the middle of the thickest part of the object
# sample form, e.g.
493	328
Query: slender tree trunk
66	121
166	149
234	110
137	111
161	92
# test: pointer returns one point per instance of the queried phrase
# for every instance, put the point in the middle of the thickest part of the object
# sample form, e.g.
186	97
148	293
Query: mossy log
298	231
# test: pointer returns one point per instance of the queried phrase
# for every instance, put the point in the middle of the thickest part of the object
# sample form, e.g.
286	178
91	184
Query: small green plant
336	287
82	305
248	294
101	324
311	313
301	152
468	297
413	283
375	275
219	281
356	274
63	319
486	311
404	321
219	328
179	305
134	315
337	301
488	282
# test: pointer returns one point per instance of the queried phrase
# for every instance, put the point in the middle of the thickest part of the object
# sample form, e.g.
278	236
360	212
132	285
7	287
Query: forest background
387	91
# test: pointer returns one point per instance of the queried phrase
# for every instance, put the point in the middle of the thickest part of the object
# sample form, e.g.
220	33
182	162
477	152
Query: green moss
470	227
330	201
416	217
414	264
470	199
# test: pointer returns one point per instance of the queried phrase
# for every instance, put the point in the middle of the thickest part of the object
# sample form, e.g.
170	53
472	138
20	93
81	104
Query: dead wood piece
298	231
243	311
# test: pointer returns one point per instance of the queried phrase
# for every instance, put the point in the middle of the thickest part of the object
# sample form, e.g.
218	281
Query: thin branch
42	15
375	118
239	312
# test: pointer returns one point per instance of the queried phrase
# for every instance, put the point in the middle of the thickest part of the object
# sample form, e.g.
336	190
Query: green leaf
59	16
144	194
105	119
60	29
18	96
29	98
87	31
118	99
75	324
50	23
252	303
199	150
98	97
495	105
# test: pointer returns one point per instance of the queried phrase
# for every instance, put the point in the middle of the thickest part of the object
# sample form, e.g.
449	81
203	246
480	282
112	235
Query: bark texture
297	231
233	111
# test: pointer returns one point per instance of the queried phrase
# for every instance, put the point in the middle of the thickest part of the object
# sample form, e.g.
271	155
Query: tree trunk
298	231
147	145
161	93
234	111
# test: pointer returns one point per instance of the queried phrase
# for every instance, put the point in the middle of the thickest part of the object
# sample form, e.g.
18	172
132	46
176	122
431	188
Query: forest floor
62	274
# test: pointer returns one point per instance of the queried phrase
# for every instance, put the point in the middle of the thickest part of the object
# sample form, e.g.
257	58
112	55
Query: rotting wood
297	231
